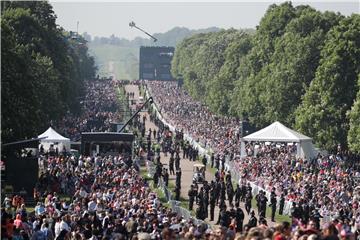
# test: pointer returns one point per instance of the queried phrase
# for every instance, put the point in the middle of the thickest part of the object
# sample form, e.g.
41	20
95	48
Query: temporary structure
54	138
277	132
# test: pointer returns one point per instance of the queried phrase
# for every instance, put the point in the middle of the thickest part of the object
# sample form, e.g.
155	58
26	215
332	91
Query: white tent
277	132
52	137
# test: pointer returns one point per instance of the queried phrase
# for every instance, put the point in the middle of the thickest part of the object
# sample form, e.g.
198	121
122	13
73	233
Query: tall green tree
43	73
184	63
322	114
221	86
354	125
293	64
250	91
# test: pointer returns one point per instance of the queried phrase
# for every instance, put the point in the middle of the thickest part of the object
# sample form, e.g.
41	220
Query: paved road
111	69
186	168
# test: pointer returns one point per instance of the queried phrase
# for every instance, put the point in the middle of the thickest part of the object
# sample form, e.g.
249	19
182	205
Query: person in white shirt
92	206
64	225
57	228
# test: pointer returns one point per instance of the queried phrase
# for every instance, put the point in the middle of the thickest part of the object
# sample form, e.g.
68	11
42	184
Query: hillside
124	54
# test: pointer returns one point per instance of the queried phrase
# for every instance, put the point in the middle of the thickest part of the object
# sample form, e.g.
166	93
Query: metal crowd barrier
186	214
174	204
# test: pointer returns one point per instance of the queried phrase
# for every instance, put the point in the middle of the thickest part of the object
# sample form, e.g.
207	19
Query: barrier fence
175	205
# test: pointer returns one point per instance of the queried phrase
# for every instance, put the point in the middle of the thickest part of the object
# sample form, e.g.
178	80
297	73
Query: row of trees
300	67
43	69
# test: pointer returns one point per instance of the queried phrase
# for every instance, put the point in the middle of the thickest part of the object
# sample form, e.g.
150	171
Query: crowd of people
99	106
326	186
105	197
178	108
97	197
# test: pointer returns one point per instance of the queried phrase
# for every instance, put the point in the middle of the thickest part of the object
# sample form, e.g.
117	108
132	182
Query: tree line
43	69
169	38
300	67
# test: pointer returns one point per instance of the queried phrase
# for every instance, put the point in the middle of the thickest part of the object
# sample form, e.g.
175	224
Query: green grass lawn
278	218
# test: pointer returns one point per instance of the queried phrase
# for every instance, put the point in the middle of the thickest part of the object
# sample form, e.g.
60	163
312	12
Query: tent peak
51	135
277	132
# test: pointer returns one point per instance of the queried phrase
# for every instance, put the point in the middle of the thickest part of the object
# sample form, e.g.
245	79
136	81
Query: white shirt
64	226
57	229
92	206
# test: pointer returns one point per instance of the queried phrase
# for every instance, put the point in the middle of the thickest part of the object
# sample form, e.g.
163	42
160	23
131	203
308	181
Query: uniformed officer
273	202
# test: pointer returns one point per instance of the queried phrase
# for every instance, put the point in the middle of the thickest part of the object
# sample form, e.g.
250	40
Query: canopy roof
276	132
52	135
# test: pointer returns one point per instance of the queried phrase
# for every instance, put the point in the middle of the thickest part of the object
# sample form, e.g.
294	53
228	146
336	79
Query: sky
100	18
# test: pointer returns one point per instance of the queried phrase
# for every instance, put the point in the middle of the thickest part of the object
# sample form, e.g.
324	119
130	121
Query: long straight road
186	168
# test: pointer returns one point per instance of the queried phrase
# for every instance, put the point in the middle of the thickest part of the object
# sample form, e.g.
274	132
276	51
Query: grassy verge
278	218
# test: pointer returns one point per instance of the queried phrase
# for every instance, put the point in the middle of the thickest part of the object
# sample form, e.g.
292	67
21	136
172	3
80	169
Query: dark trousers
273	210
248	208
281	209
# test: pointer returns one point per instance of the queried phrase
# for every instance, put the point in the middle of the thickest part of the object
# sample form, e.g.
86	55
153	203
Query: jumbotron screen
155	63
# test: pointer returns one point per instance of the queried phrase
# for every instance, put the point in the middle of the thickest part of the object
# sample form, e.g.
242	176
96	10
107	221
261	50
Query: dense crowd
218	133
105	197
110	200
99	106
327	185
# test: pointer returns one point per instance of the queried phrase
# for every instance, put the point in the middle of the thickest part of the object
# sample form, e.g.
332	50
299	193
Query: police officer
171	164
239	219
204	161
185	149
237	195
212	203
177	193
212	160
156	179
282	204
253	220
177	160
222	216
230	192
248	202
191	195
263	202
273	202
178	178
166	177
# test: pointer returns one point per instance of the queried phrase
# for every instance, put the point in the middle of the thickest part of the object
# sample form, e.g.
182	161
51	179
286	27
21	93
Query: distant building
155	63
